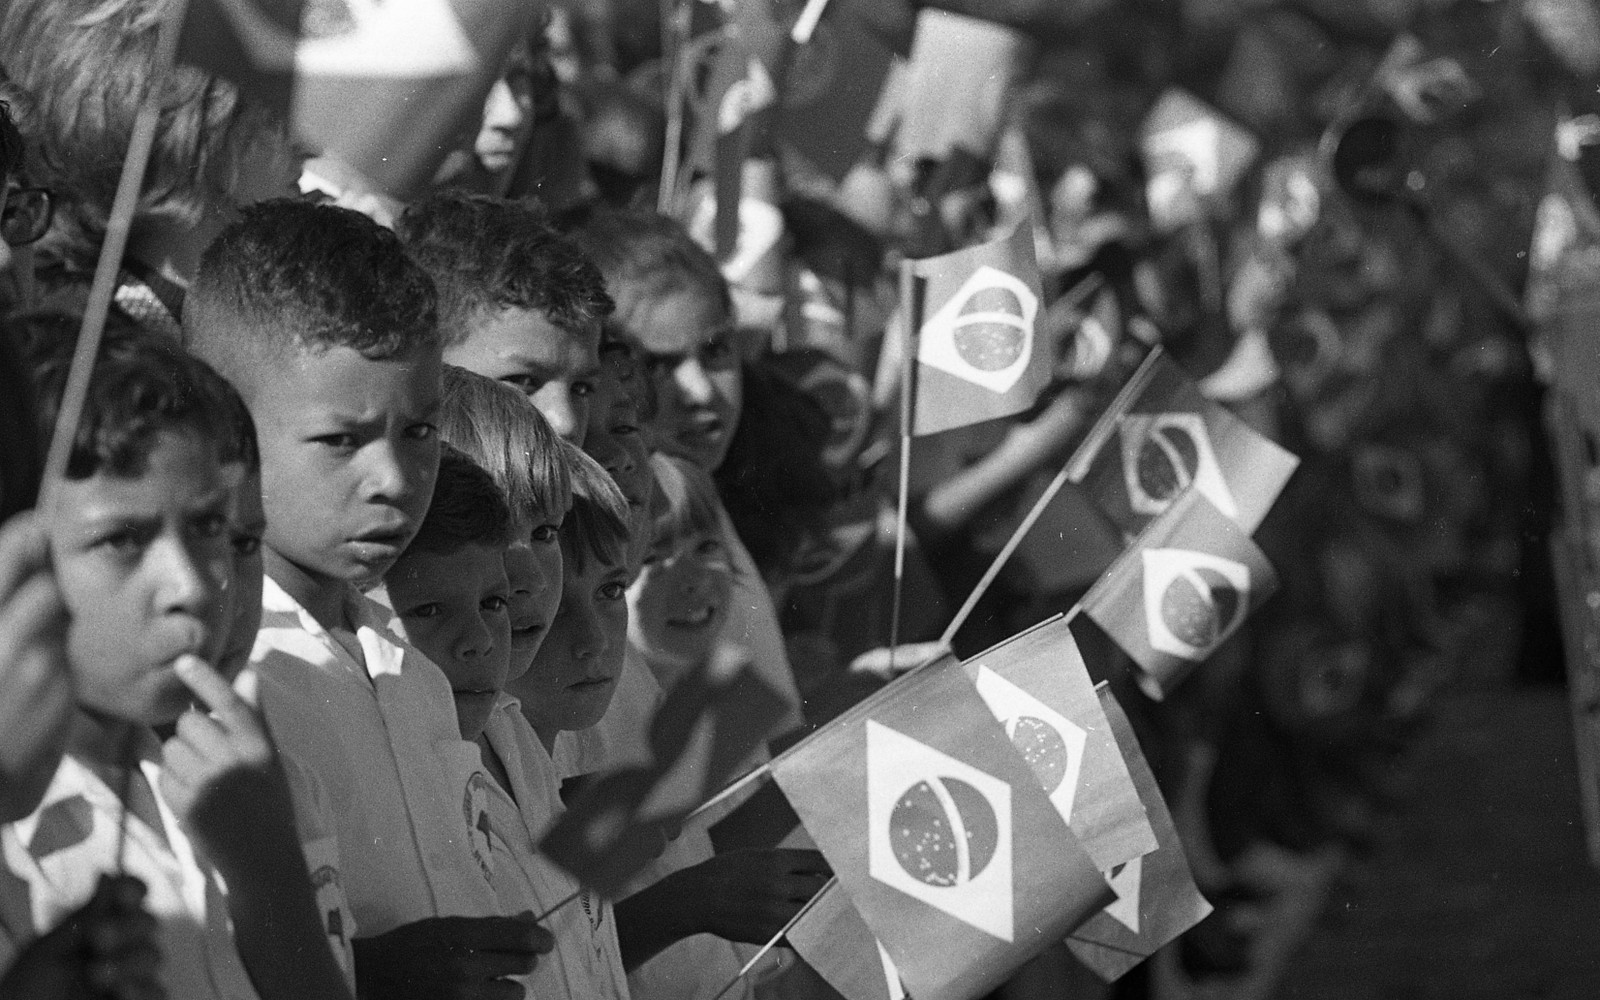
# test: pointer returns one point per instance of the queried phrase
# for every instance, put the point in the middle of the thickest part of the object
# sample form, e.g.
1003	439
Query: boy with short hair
517	301
143	543
329	331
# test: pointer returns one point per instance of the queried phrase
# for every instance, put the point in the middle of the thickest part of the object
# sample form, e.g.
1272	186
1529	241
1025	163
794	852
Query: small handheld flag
383	87
1156	896
977	354
833	939
1037	686
940	835
1180	591
1168	438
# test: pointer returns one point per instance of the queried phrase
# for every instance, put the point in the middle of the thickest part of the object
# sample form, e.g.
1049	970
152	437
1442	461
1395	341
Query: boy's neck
102	741
324	599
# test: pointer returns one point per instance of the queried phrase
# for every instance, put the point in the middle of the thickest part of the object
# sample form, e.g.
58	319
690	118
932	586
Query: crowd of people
391	519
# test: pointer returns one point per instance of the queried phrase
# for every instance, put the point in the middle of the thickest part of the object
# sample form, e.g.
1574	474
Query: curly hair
78	71
467	508
646	256
142	385
293	273
488	253
499	428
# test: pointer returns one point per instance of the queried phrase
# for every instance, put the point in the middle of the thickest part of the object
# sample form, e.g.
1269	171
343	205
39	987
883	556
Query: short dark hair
597	524
488	253
11	144
83	67
467	507
142	384
290	273
645	256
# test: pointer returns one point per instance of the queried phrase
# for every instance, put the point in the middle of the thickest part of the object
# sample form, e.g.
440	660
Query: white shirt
371	734
587	961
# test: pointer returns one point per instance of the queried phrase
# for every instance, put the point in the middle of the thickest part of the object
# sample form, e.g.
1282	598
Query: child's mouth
527	636
699	618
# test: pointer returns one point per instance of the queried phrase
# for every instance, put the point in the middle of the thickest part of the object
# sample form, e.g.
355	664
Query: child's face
616	440
576	669
349	452
533	569
143	564
453	606
555	368
246	527
679	603
688	347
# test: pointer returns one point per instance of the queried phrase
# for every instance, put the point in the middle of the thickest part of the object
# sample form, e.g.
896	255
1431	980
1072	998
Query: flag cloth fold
940	834
1171	437
978	355
704	732
832	938
1037	686
1156	896
387	87
1185	585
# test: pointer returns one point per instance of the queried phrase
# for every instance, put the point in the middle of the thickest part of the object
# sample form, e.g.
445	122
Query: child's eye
709	548
716	353
429	610
246	545
123	541
495	603
613	591
582	389
545	533
421	432
624	429
342	442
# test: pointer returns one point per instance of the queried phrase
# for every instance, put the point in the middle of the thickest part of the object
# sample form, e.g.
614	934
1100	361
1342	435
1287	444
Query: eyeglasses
26	215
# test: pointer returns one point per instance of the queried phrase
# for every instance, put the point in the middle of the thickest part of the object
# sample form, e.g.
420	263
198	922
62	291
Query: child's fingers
215	693
203	735
514	935
800	861
24	550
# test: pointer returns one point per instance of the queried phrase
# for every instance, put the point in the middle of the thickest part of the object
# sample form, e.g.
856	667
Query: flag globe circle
1167	462
990	331
1200	606
1042	746
943	832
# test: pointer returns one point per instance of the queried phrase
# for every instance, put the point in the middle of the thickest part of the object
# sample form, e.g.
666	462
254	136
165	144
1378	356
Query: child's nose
184	581
589	640
475	642
692	382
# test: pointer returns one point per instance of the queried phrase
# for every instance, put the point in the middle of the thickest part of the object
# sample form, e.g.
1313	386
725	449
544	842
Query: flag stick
806	23
1075	469
911	308
673	21
575	894
104	285
773	943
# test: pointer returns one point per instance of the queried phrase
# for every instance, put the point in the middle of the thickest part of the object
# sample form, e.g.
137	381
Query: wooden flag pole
675	50
806	24
773	943
118	227
911	292
76	391
1075	469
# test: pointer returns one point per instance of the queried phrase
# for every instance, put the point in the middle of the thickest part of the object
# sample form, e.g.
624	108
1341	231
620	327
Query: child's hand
220	773
105	951
36	712
750	895
450	958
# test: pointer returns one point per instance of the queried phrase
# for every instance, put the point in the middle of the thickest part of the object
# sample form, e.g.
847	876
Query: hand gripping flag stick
1076	467
773	942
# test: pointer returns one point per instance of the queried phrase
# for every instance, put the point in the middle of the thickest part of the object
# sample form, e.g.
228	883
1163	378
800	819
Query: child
450	590
679	602
517	301
673	307
143	550
328	330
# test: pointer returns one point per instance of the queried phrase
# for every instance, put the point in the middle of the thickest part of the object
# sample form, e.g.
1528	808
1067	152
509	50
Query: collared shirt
371	732
55	857
587	961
